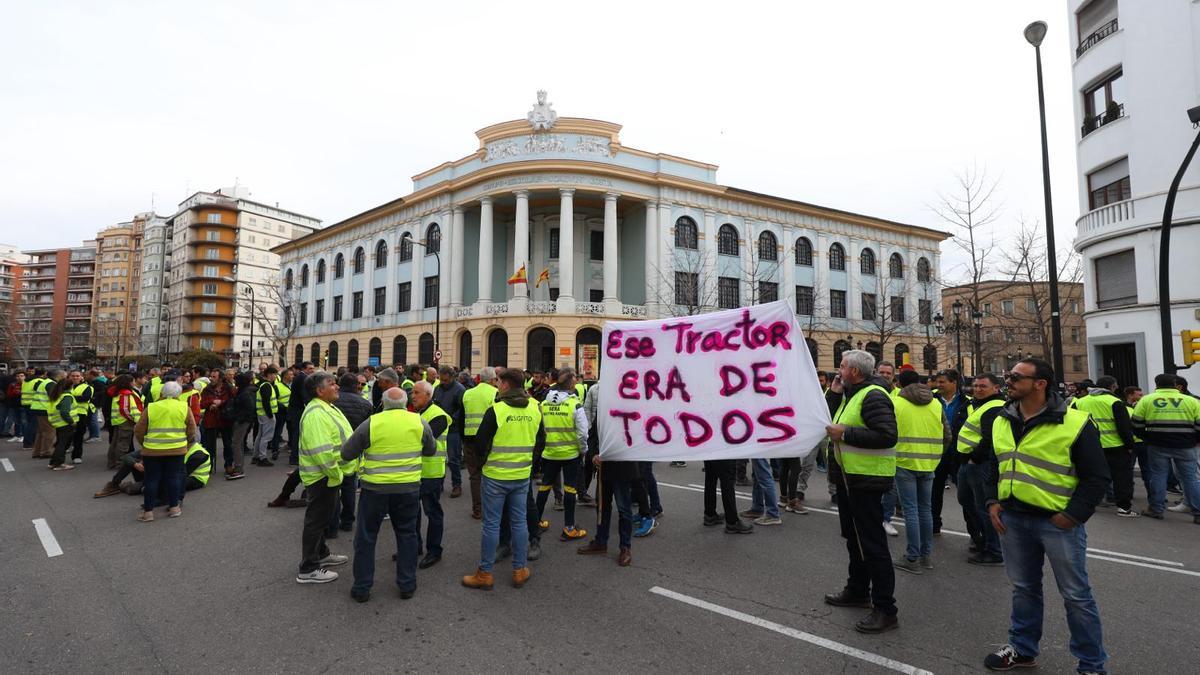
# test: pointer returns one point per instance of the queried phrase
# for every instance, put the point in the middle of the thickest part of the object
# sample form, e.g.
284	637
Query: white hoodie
581	422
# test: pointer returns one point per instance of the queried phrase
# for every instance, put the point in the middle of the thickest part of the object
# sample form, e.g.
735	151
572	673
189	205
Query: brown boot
625	558
592	548
109	489
480	580
477	513
520	576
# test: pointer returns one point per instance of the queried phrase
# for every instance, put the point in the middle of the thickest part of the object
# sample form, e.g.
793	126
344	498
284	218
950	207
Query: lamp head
1035	33
957	307
1194	115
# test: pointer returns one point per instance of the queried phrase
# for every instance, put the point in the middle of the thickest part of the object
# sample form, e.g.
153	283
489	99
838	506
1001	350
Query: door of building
1120	361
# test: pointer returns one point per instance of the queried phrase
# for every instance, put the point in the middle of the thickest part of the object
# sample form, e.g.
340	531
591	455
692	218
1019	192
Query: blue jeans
31	427
500	496
403	510
454	457
916	496
431	508
620	492
1184	462
970	478
7	417
651	483
165	473
94	425
763	496
1029	540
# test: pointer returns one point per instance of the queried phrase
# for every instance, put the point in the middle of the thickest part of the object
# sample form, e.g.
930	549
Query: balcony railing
1094	122
1095	38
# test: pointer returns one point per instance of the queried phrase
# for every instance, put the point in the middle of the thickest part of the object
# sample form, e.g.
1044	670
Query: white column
854	285
787	260
821	288
393	256
610	247
652	271
521	241
485	250
566	245
330	257
457	246
348	291
445	265
417	294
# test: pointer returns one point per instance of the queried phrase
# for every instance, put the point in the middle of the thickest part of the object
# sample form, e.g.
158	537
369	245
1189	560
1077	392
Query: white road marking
8	467
1158	563
793	633
48	541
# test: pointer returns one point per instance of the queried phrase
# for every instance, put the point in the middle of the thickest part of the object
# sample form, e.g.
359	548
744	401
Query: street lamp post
957	328
253	309
167	311
1034	34
437	305
1164	255
977	319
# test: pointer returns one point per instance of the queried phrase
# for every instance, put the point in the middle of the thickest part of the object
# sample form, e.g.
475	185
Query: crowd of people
1030	464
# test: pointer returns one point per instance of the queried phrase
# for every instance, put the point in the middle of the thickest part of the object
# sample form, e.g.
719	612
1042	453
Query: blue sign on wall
373	361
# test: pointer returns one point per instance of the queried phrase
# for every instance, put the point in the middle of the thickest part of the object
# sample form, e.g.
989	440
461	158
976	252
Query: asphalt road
214	591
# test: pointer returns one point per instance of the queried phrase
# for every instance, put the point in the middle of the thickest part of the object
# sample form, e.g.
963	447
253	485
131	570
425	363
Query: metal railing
1096	37
1094	122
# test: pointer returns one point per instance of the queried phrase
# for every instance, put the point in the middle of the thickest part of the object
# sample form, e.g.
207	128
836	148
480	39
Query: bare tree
15	333
274	313
971	209
1025	264
686	288
885	312
112	338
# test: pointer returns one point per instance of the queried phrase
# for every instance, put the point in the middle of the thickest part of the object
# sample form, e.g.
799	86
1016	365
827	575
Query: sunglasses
1016	377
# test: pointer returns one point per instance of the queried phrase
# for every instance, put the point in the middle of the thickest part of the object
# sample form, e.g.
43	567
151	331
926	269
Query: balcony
1096	37
1121	218
1114	112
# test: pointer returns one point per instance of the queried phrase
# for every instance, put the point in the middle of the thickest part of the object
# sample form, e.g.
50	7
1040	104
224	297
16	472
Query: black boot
876	622
845	599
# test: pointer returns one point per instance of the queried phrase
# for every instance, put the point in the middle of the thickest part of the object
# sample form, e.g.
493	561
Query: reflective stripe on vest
258	405
115	418
919	445
1038	471
562	442
1099	406
41	394
511	457
394	455
476	402
1129	408
80	407
1168	411
323	430
581	390
166	426
862	461
435	466
971	432
27	394
283	396
203	471
56	419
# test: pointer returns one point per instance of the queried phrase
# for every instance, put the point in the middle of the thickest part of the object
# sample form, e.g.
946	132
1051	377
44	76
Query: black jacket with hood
879	416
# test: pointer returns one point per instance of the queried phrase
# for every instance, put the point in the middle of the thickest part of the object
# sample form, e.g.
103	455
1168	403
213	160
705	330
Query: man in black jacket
1051	474
863	466
357	410
300	399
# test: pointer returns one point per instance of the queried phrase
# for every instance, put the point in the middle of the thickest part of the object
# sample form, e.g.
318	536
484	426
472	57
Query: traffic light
1191	346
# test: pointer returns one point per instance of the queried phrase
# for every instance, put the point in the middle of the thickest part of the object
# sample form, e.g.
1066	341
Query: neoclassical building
611	232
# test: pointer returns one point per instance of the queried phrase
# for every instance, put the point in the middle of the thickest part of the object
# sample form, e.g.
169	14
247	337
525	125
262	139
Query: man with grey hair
448	395
165	433
863	466
384	380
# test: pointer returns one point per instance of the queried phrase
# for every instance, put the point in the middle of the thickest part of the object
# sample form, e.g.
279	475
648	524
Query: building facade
155	280
601	231
12	262
118	283
221	269
1015	324
1136	72
55	303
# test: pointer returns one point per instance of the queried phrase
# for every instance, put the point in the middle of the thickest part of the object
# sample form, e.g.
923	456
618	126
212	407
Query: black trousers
584	480
1121	470
81	432
722	471
789	477
321	500
861	515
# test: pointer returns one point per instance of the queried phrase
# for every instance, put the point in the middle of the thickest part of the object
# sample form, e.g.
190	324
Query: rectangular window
869	302
208	308
357	309
209	289
804	300
596	295
925	312
303	313
208	326
380	301
553	243
210	270
727	293
320	312
337	308
987	308
212	235
768	291
214	218
1077	363
896	307
1103	102
206	343
1031	305
837	304
597	252
553	293
431	292
211	254
1109	185
1116	281
405	293
1075	335
687	292
1006	306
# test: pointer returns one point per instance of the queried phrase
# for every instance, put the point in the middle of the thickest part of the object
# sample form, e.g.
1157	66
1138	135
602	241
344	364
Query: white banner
726	385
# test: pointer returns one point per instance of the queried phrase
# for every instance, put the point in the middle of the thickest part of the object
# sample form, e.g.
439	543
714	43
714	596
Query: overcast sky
330	108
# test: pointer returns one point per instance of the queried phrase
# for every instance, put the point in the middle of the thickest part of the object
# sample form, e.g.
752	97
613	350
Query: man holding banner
863	466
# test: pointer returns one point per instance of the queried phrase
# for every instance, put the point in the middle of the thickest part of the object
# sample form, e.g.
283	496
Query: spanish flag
544	276
519	277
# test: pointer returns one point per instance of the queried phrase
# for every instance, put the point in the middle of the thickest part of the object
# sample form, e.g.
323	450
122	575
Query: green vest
56	419
580	390
476	401
203	471
971	432
115	418
395	453
435	467
511	457
862	461
1168	411
407	385
258	404
166	426
323	430
186	397
283	396
156	384
919	429
1136	438
561	440
79	408
1038	472
1099	406
27	393
41	394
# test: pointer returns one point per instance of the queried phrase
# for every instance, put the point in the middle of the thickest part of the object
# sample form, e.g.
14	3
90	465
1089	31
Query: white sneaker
1181	507
77	460
15	439
97	439
317	576
334	559
890	529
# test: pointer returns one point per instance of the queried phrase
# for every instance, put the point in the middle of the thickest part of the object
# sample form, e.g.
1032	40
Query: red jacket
126	403
214	418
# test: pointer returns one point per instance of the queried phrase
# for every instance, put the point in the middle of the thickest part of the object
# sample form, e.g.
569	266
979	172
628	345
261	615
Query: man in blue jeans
1169	423
1050	476
922	435
615	485
976	457
764	498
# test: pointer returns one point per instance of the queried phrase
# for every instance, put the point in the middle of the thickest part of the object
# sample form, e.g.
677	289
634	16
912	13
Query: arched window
321	271
352	354
464	350
314	354
399	350
923	271
299	353
433	239
339	266
837	258
360	259
589	370
727	240
288	280
406	247
539	350
901	350
375	351
840	347
896	266
866	261
768	247
686	235
931	358
804	252
425	348
497	348
875	349
304	276
333	355
812	349
380	254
